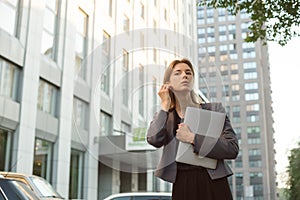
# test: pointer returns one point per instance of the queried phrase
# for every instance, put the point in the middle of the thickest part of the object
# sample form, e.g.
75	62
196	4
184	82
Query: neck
182	102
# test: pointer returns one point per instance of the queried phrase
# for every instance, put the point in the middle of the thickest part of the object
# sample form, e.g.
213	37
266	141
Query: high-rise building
237	74
78	81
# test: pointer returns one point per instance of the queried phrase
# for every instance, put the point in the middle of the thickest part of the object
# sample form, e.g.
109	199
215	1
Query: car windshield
44	188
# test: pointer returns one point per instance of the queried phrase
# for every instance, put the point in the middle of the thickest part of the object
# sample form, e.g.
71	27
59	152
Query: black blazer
162	131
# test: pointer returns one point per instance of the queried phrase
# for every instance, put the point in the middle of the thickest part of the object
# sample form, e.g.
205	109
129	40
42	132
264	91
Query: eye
188	73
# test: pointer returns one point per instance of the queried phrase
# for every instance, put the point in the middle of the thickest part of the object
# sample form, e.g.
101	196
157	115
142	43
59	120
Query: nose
185	75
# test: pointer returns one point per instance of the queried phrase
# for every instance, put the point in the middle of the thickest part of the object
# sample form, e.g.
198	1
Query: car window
166	198
150	197
122	198
44	188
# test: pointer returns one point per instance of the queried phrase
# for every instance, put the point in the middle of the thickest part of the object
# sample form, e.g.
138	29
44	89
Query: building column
24	135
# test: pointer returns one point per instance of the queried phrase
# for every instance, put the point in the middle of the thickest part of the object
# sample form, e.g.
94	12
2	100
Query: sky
285	83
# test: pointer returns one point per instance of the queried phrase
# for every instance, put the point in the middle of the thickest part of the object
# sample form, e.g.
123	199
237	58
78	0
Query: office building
77	78
237	74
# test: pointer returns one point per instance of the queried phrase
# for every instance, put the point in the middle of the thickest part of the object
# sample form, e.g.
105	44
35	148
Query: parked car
41	187
141	196
14	189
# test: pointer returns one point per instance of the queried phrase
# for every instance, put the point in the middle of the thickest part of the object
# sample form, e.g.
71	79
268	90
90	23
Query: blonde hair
195	98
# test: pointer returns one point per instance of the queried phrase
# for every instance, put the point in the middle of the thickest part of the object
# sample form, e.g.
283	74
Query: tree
293	190
272	20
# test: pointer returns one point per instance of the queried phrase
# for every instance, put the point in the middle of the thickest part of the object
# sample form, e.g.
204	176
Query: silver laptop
203	122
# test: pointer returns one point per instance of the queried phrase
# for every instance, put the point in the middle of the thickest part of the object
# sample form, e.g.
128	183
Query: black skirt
194	183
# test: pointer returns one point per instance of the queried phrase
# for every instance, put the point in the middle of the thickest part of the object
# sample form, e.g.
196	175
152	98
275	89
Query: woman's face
182	78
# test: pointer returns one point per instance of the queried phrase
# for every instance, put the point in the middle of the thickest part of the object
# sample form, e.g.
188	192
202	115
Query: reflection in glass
47	97
50	17
9	11
9	76
42	158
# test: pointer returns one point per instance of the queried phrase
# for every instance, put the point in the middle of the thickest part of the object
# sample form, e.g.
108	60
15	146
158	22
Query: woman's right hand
164	94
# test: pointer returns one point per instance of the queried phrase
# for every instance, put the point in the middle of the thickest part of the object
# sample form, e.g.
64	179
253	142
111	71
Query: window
9	14
245	25
239	185
235	97
249	54
231	27
80	113
253	132
109	7
251	96
125	23
125	128
210	20
81	43
254	157
47	97
252	107
249	65
222	18
238	132
210	29
209	12
251	86
233	56
42	165
200	13
201	31
235	87
211	49
235	77
166	14
255	177
125	78
49	28
105	75
9	79
250	75
248	45
201	40
239	160
222	38
105	124
5	152
211	39
142	10
223	47
222	28
141	90
236	115
76	175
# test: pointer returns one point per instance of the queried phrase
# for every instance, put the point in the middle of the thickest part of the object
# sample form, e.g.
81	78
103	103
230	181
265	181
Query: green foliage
272	20
293	190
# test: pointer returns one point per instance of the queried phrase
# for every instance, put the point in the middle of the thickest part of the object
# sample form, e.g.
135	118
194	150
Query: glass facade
76	175
81	44
80	113
9	79
43	152
9	10
49	28
47	97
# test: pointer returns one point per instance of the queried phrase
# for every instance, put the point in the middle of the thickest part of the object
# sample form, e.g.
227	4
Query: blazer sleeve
157	132
224	147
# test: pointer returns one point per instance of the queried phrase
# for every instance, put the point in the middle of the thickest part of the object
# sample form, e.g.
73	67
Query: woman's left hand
184	134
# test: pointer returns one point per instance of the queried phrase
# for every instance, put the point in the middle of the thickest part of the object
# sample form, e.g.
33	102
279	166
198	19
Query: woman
166	129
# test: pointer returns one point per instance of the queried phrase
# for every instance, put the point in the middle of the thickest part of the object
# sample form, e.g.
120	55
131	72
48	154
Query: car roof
125	194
